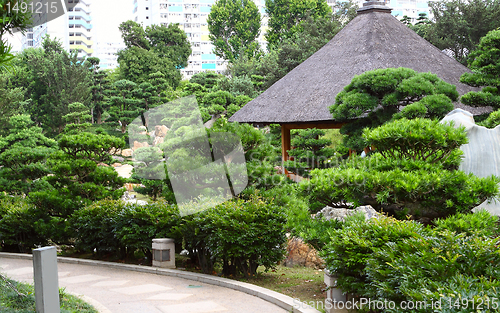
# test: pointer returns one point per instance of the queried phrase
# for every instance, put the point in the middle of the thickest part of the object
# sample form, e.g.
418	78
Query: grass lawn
17	297
301	283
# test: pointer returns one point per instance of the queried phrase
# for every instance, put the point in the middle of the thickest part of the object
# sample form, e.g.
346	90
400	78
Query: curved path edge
281	300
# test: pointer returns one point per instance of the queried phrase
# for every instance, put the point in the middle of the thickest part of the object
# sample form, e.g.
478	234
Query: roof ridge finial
374	6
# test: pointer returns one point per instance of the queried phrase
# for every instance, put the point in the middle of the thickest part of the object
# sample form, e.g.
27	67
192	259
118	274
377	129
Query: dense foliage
234	26
239	235
375	97
285	17
309	151
485	65
22	156
413	172
459	25
389	260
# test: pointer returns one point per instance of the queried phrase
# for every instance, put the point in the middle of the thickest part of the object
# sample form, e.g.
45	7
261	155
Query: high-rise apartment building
57	28
80	28
107	53
73	29
191	15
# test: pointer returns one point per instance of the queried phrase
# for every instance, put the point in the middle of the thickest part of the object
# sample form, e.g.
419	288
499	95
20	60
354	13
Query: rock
138	145
125	170
341	213
480	154
158	140
117	158
126	152
130	186
161	131
116	164
300	253
102	164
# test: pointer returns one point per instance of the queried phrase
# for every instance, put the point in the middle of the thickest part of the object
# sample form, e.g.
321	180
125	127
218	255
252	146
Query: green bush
117	227
239	235
352	245
481	223
94	226
22	226
391	260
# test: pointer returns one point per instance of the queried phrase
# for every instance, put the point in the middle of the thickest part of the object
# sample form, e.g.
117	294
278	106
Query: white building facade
107	53
191	15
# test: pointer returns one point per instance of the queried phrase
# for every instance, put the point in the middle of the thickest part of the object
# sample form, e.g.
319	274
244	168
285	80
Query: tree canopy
485	64
285	17
377	96
168	42
234	26
459	25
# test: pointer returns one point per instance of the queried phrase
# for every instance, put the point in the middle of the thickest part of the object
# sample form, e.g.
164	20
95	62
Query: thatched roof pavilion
374	39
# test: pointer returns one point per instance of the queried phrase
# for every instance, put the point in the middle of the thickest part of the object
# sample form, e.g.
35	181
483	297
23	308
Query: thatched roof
373	39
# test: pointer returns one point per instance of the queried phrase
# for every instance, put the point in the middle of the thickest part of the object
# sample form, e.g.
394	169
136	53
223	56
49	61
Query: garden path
121	291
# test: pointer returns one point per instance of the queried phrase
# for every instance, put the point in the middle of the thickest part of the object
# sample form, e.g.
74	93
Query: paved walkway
122	291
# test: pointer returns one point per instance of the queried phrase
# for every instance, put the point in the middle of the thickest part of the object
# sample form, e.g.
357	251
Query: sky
107	16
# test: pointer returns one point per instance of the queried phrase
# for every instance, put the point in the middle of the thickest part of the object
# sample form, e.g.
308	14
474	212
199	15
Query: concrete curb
281	300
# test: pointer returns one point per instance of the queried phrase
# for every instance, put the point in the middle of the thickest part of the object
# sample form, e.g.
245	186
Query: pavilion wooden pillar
285	142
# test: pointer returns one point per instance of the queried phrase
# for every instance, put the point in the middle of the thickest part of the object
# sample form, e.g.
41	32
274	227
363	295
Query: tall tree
55	78
312	34
157	48
460	24
124	105
99	86
169	42
136	64
234	26
485	64
286	15
11	102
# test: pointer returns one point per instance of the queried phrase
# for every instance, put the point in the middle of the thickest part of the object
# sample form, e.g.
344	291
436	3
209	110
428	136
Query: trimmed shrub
413	172
351	247
240	235
481	223
402	261
22	226
118	227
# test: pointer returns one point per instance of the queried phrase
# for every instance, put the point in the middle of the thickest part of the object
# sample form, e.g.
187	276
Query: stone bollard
164	252
46	280
333	294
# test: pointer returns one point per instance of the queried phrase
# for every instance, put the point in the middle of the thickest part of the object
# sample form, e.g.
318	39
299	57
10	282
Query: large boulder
481	154
340	214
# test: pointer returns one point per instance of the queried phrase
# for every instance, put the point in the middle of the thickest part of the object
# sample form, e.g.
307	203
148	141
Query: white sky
107	16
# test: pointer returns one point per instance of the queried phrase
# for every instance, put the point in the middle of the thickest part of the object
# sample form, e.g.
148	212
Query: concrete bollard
164	252
46	280
332	293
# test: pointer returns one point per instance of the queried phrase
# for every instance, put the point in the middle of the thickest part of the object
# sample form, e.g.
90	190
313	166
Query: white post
46	281
333	294
163	252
